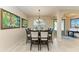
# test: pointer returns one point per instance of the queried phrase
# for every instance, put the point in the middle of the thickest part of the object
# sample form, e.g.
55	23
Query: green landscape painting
15	21
10	20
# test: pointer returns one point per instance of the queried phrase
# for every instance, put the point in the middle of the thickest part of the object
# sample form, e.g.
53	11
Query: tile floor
66	45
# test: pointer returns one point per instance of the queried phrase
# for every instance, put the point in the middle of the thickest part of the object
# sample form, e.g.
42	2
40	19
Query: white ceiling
47	10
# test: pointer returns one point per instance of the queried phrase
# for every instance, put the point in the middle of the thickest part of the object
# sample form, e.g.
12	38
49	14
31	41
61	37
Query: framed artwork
74	23
9	20
24	23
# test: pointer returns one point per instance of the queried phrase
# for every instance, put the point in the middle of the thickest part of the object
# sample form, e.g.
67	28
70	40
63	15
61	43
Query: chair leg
52	41
47	45
40	46
31	46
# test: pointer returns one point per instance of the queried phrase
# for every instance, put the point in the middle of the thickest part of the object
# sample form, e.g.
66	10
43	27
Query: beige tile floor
66	45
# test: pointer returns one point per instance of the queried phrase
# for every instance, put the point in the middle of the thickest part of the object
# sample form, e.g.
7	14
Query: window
55	25
62	25
74	23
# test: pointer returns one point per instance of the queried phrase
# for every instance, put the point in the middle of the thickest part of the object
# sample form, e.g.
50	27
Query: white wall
9	37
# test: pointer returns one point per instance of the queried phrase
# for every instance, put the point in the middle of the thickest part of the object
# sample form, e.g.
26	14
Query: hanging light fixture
39	13
39	16
39	23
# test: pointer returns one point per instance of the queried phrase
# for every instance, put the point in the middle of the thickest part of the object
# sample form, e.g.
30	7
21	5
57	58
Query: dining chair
44	39
50	34
34	39
28	34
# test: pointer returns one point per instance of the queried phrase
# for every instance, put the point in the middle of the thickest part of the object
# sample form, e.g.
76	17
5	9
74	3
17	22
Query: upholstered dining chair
44	38
28	34
50	34
34	39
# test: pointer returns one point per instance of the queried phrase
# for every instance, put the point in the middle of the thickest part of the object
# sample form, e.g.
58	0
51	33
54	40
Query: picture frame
24	23
9	20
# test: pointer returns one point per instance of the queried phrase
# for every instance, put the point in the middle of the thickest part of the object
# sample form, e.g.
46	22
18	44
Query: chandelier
39	16
39	23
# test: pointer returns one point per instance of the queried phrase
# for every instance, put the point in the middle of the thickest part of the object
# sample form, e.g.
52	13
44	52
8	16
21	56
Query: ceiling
48	10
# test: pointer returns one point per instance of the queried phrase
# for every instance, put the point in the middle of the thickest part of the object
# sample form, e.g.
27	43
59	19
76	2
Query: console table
72	33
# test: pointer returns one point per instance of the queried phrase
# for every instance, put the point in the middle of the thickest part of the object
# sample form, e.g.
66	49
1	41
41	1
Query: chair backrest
50	30
44	33
28	31
34	34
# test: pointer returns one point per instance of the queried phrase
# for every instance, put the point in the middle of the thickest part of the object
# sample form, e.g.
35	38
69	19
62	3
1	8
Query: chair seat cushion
34	38
43	39
35	41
